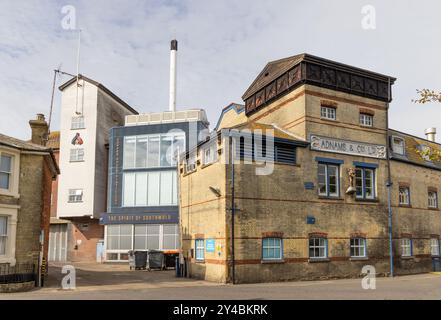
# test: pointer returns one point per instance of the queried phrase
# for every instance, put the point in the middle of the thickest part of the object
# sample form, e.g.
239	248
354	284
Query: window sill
188	173
4	192
404	205
275	261
407	257
77	128
207	165
376	200
199	261
433	208
330	198
318	260
366	126
7	259
326	119
71	161
75	201
358	258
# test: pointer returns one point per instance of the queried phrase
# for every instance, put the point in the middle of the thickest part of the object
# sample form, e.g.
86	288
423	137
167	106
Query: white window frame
360	246
363	183
404	197
398	148
209	154
321	245
11	169
15	172
432	199
76	155
190	163
434	247
276	246
11	214
328	113
406	247
4	237
118	252
136	175
199	250
161	137
327	193
366	120
77	194
77	122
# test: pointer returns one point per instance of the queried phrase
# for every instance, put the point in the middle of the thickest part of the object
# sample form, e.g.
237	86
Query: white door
58	242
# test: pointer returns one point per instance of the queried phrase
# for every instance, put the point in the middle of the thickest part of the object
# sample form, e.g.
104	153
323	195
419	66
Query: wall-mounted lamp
216	191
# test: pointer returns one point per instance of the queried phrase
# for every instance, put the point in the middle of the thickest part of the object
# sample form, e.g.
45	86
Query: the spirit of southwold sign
347	147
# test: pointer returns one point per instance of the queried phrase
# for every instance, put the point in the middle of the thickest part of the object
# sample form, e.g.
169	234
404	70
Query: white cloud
222	46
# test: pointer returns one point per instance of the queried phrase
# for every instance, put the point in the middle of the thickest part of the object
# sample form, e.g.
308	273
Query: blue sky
223	45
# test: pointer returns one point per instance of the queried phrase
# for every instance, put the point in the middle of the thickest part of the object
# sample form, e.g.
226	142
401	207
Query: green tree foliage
426	96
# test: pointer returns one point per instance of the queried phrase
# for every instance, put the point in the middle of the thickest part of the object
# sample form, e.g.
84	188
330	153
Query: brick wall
88	231
29	221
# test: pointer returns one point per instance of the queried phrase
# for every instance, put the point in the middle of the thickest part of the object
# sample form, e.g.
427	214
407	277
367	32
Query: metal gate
58	242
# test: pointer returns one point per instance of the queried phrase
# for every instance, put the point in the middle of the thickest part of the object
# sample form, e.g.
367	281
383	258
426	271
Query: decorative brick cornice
318	235
403	184
432	235
358	234
328	103
367	111
406	235
432	189
272	234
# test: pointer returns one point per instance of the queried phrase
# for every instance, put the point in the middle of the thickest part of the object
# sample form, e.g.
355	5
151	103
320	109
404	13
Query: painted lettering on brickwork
347	147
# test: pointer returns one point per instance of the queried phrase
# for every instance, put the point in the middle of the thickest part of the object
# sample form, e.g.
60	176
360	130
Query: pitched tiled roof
20	144
54	140
412	145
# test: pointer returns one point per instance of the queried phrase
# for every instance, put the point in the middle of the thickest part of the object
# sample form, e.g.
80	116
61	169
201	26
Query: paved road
116	282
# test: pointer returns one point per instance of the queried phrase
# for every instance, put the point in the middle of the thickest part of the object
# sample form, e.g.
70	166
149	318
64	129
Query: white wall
101	112
77	175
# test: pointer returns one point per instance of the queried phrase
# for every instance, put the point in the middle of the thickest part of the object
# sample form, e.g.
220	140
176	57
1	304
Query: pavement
117	282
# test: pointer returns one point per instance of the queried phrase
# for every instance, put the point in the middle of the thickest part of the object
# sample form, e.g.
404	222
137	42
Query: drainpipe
389	184
233	275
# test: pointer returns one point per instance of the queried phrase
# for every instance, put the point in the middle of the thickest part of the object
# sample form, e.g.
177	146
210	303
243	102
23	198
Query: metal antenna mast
56	72
78	70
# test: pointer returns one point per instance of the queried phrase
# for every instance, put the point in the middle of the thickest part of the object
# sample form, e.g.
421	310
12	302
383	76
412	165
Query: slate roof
29	146
236	106
21	145
277	132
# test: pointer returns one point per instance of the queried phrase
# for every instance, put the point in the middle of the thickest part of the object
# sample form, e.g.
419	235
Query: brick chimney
39	129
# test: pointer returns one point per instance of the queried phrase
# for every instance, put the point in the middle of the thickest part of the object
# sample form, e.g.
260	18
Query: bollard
177	267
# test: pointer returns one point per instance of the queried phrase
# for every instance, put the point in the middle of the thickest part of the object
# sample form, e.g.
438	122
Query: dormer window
398	145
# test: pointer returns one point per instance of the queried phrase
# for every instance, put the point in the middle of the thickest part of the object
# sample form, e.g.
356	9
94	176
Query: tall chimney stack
173	58
430	134
39	129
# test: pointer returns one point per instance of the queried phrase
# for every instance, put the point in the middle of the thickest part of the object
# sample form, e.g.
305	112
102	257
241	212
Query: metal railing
19	273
